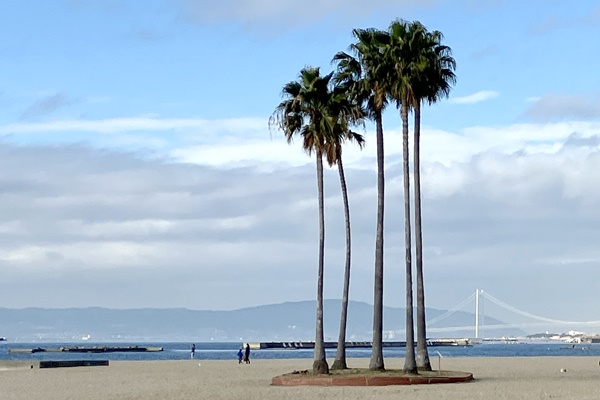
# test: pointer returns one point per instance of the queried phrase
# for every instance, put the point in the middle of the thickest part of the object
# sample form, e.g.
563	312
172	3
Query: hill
276	322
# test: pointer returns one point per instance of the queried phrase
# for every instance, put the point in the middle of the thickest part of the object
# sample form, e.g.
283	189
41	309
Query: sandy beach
495	378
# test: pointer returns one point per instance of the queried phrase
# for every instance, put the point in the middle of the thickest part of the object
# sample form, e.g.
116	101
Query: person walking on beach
193	350
240	354
247	354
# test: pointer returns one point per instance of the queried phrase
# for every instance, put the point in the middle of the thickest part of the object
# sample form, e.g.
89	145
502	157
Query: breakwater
293	345
81	349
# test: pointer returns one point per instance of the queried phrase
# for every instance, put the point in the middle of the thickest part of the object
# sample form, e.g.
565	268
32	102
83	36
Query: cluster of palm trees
405	65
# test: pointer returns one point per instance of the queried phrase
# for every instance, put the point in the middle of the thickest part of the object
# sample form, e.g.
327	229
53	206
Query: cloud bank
87	223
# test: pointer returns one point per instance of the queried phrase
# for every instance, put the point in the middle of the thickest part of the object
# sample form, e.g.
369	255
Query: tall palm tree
424	72
366	74
401	54
434	82
348	112
433	76
305	112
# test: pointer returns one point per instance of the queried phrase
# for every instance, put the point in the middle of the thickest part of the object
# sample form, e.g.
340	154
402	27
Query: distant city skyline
137	168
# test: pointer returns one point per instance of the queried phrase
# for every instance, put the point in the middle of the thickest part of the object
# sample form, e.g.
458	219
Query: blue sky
97	60
135	139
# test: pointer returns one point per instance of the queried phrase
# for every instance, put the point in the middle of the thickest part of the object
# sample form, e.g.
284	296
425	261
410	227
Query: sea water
228	351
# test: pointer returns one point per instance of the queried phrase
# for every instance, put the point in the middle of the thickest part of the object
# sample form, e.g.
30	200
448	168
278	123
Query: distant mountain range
275	322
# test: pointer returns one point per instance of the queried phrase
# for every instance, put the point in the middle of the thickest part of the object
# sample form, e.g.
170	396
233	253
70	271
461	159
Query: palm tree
349	112
433	76
305	112
424	72
366	75
400	52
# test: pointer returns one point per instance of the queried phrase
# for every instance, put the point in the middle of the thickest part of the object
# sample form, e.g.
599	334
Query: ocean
228	351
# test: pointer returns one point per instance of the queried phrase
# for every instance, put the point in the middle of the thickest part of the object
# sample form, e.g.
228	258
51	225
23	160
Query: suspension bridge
480	328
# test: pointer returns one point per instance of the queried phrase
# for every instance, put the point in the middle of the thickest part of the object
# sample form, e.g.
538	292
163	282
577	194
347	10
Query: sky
138	169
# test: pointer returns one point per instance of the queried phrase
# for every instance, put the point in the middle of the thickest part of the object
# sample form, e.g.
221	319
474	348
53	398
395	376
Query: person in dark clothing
240	354
193	351
247	354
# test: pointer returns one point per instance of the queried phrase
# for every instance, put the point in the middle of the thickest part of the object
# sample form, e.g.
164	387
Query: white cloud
552	107
109	254
274	152
570	261
119	125
477	97
288	13
231	143
141	228
532	99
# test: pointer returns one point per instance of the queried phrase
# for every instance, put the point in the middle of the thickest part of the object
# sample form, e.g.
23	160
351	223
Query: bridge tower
477	292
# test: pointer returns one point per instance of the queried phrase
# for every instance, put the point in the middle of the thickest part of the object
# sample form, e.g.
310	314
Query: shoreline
495	377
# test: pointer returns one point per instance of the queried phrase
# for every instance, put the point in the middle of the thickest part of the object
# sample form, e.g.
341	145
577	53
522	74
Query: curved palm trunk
376	362
422	353
340	356
320	363
410	365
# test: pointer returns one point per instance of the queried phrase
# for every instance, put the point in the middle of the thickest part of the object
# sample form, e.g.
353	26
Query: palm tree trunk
376	362
340	356
410	365
320	363
422	353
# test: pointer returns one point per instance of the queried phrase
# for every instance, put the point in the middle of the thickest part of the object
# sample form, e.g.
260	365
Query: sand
495	378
